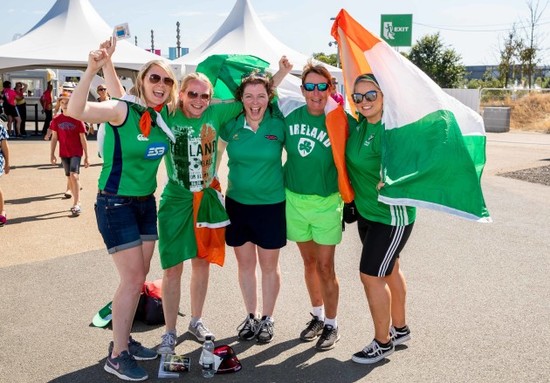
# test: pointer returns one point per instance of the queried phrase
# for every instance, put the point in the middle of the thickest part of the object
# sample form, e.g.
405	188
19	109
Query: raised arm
94	112
285	67
114	86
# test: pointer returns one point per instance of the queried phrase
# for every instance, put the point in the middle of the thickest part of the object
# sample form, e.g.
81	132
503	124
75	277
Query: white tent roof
243	33
63	39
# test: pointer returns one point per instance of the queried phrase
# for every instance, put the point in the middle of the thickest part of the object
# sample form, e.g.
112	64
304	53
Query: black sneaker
264	332
373	353
313	330
400	336
247	329
328	338
125	367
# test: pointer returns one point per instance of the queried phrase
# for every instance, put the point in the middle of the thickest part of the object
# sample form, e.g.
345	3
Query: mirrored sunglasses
155	79
371	96
310	87
194	95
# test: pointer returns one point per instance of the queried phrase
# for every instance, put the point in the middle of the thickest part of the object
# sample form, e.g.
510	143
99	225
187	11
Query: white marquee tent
244	33
64	37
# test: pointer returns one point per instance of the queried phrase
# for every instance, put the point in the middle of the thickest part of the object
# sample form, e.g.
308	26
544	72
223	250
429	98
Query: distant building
173	52
478	71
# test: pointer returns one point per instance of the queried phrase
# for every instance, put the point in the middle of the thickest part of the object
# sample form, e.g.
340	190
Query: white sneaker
200	331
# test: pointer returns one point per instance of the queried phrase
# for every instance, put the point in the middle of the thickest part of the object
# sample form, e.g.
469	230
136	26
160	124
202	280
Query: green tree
441	64
509	57
327	59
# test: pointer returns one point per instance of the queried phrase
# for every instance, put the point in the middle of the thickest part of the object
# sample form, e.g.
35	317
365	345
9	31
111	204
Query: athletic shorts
381	246
125	222
312	217
263	225
10	110
71	165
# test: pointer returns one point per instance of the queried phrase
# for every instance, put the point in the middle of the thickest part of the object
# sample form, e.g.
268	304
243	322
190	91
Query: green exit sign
396	30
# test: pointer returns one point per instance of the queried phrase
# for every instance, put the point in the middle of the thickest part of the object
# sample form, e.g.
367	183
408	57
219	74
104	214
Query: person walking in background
21	105
71	134
313	202
136	137
14	120
254	142
4	169
46	101
383	229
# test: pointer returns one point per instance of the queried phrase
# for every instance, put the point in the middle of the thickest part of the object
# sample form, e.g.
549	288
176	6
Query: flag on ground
434	149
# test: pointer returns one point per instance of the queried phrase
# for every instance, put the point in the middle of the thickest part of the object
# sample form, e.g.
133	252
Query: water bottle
208	368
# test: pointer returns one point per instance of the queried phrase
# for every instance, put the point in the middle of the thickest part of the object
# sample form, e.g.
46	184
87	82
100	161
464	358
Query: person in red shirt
9	95
71	134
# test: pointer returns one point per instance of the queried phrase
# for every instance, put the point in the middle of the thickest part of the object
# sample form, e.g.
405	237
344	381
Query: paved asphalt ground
478	294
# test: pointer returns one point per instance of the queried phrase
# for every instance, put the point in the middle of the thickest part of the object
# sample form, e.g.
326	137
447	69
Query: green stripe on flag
440	169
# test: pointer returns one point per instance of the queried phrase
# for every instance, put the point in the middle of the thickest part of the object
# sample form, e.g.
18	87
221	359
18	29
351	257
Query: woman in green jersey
255	190
133	147
383	229
313	200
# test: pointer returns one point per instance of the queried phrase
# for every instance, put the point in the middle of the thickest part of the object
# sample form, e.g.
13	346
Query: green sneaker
125	367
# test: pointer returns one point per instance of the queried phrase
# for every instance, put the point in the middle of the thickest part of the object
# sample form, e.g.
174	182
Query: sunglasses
310	87
155	79
193	95
101	89
371	96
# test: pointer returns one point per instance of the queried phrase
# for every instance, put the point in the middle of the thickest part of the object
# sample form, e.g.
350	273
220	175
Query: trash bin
496	119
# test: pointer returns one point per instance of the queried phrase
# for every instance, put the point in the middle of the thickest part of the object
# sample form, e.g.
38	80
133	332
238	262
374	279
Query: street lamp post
337	52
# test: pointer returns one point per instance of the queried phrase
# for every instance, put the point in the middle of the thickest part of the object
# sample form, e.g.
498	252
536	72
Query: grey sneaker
264	334
125	367
328	338
400	336
167	343
200	331
313	330
137	350
373	353
247	329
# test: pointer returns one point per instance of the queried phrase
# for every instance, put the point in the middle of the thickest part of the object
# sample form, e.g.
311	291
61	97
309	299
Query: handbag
350	212
149	309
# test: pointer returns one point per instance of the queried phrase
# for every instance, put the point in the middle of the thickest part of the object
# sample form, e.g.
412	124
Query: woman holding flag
383	229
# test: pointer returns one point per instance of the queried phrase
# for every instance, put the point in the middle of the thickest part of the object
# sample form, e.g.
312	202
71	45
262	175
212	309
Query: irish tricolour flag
434	148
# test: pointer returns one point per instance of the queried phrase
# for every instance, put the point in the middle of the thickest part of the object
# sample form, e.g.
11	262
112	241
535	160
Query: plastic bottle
208	368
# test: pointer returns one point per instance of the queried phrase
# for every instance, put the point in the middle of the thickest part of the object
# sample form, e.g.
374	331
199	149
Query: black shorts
10	110
71	165
381	246
263	225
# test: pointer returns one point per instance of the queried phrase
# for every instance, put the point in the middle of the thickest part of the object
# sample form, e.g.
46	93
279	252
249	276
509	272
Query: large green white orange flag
434	148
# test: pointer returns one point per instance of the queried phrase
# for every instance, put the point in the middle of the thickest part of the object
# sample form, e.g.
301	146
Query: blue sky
474	28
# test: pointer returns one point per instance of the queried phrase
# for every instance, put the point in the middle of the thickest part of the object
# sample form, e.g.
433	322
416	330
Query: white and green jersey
309	168
363	160
191	161
255	166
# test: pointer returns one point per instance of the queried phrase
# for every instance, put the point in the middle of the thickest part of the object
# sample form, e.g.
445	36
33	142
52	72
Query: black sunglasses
101	89
371	96
155	79
310	87
193	95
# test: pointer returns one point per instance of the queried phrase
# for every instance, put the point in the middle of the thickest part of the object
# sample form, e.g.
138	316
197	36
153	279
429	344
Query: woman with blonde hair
136	138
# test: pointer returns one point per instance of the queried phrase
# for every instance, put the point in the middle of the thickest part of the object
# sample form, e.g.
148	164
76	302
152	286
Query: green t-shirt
255	166
309	168
130	160
363	160
191	161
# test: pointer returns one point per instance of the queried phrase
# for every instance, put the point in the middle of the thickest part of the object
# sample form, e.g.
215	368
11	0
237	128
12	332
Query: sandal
76	210
3	219
67	195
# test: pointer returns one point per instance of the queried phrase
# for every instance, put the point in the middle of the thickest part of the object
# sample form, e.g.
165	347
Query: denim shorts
125	222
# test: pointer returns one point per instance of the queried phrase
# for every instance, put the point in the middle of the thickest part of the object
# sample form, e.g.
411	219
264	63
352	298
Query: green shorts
312	217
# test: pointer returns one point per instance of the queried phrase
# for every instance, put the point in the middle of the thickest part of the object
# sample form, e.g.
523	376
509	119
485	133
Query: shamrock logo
305	146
